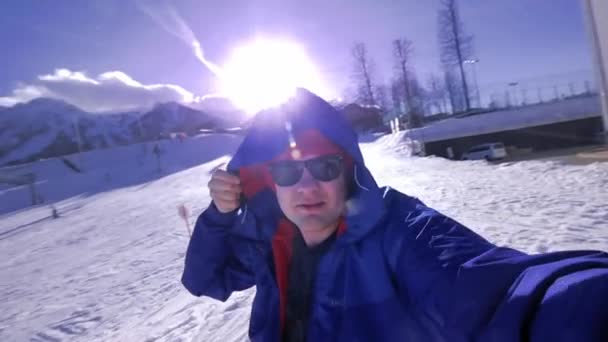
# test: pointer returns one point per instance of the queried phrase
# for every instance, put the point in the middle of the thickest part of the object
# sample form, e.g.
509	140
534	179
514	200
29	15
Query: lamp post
597	15
473	62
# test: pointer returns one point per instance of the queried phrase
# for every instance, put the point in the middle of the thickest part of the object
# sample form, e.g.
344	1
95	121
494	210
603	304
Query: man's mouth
313	205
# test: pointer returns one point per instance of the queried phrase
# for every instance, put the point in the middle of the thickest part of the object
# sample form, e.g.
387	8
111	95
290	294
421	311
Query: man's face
312	204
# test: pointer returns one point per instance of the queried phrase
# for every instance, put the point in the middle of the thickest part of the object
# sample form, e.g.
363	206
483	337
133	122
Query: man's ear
349	180
350	187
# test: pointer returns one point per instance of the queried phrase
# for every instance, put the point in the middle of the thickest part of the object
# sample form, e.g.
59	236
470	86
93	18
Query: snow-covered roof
516	118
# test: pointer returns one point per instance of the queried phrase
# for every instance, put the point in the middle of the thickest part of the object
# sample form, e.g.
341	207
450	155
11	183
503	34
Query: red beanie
310	142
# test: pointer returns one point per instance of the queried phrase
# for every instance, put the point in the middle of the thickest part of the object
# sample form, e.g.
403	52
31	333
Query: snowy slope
112	168
109	268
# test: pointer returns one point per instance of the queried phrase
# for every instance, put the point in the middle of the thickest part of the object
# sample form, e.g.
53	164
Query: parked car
490	152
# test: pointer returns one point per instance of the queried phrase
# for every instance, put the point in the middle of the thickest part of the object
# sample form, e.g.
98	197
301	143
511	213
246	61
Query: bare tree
418	94
382	97
402	51
411	91
363	74
397	95
436	94
455	46
453	91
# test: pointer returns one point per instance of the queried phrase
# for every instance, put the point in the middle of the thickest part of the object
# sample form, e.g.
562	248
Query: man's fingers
225	190
225	195
217	185
226	177
219	166
226	205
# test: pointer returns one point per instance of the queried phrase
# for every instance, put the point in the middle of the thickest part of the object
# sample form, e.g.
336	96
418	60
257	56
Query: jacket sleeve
213	265
475	291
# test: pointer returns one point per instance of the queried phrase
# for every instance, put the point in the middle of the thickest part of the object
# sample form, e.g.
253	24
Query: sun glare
265	73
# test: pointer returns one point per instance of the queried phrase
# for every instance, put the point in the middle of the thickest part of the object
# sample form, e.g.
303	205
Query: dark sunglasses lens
325	169
286	173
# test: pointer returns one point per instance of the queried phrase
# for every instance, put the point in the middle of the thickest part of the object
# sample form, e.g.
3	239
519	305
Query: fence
545	89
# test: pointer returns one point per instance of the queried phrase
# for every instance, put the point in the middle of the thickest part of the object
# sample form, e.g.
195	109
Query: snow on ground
109	268
535	206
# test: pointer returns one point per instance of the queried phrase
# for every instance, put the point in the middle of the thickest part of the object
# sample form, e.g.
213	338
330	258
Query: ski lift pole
184	214
157	152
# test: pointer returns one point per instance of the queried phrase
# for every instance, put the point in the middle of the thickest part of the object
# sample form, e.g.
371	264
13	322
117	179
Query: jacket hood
270	135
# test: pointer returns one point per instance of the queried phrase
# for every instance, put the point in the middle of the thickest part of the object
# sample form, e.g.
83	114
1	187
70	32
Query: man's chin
312	223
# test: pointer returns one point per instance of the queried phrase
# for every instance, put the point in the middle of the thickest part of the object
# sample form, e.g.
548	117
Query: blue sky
514	39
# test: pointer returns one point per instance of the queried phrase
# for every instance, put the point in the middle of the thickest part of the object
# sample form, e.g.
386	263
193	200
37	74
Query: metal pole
556	93
597	16
476	83
78	141
571	87
513	85
472	62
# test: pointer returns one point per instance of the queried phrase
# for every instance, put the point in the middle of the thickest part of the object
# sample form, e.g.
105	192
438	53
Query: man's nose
307	182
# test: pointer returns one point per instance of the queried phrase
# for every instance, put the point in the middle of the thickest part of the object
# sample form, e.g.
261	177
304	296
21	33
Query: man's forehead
296	154
309	144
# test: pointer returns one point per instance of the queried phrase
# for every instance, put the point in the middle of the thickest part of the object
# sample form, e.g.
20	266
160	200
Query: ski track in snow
109	268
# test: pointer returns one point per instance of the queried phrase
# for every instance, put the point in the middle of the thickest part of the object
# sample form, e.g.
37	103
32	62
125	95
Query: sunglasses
324	169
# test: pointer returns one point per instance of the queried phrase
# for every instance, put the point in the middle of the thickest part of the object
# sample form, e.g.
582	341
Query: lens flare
260	74
266	72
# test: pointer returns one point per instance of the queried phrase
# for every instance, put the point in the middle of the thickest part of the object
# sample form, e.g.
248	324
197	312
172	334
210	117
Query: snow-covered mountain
44	127
218	106
173	117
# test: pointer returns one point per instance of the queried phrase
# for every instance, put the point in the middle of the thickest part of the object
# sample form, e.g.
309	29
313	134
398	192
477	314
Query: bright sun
265	73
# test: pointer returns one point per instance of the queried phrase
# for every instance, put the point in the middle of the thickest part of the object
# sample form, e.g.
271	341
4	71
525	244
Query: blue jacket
400	271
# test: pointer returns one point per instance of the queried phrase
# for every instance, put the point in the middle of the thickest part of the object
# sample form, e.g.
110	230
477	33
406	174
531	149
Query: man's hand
225	190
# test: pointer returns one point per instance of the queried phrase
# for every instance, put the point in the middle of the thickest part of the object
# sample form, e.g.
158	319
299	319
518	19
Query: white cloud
109	91
214	103
22	93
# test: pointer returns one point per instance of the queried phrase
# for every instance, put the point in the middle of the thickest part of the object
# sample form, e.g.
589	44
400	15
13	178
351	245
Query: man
336	258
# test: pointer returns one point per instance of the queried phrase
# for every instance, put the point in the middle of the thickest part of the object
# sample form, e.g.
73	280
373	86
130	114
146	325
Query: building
567	123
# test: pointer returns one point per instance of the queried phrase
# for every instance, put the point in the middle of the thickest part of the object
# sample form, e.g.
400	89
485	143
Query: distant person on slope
337	258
